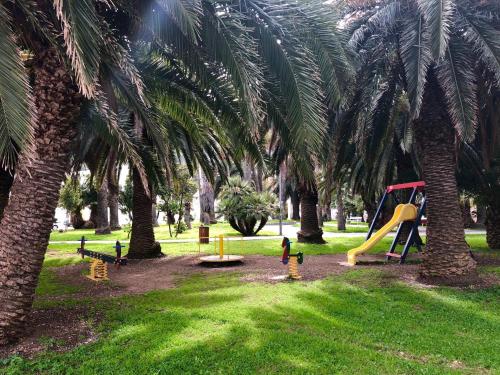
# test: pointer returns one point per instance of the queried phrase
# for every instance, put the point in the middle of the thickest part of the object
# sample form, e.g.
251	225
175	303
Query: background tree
70	198
125	198
246	210
179	192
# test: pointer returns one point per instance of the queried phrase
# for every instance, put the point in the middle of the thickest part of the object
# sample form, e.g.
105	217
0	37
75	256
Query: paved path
288	231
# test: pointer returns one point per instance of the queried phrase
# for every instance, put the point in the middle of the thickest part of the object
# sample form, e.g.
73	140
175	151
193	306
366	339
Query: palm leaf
438	16
228	41
16	107
382	20
485	40
186	14
457	78
416	55
84	40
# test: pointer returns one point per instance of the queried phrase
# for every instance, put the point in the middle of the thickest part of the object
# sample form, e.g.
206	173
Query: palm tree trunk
27	222
446	257
493	225
319	213
187	214
6	180
480	214
76	220
207	205
295	198
340	211
102	224
466	215
310	232
282	192
154	210
91	223
142	239
113	191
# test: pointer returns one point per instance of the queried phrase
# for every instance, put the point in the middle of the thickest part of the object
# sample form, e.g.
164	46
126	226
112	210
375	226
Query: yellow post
221	246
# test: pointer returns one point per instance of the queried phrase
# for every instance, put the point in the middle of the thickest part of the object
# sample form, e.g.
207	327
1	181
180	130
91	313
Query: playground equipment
220	258
293	260
407	212
99	265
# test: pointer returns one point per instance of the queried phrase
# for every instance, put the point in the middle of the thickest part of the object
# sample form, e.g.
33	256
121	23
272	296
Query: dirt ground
60	329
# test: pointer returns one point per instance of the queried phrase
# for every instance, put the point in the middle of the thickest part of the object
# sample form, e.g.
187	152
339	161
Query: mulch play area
62	328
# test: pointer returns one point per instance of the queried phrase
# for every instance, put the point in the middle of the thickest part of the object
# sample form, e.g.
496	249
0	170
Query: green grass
349	228
161	233
351	324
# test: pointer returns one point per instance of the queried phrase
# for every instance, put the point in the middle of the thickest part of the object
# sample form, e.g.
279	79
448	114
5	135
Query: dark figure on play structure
293	260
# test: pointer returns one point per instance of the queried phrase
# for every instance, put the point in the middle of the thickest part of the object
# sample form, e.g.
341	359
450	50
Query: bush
246	210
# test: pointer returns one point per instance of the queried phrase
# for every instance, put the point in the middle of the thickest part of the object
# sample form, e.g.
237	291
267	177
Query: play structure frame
413	238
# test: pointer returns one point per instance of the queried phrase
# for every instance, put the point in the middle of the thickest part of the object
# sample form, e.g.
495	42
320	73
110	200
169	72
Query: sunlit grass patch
344	324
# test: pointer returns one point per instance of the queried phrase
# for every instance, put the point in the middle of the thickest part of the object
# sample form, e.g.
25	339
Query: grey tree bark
102	225
340	211
207	204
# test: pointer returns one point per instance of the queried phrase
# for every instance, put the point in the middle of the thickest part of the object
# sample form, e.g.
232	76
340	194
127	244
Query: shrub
246	210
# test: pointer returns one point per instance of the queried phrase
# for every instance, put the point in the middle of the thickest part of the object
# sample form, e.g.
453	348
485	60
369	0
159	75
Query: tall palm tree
310	81
66	72
436	44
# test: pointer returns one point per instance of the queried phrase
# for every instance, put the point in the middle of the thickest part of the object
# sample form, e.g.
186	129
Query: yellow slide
403	212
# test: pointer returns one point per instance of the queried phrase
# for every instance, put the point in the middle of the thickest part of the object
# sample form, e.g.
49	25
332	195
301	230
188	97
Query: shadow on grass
345	324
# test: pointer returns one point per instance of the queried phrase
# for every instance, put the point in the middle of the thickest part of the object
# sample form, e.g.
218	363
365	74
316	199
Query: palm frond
382	20
228	41
186	14
438	16
417	57
299	80
83	39
16	106
456	76
485	40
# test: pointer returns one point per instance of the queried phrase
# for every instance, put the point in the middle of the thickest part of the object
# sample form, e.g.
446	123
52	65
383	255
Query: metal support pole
395	240
377	214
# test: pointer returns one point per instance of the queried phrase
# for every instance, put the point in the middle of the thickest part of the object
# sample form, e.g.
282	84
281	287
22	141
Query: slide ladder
402	213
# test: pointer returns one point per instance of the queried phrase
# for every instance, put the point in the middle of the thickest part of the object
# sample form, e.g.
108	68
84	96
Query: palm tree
435	43
315	69
57	95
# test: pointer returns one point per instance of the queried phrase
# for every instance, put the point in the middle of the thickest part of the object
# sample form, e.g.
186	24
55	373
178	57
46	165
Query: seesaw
99	265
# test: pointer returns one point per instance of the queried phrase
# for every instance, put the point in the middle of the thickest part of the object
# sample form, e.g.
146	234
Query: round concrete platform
226	259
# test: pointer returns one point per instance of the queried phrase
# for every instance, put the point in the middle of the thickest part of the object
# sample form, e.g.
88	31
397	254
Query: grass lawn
351	324
349	228
161	233
354	323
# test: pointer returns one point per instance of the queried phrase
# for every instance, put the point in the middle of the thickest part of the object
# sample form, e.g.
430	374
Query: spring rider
293	260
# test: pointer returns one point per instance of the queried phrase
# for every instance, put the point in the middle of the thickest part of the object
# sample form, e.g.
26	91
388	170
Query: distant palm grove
328	100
